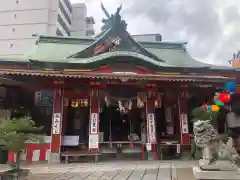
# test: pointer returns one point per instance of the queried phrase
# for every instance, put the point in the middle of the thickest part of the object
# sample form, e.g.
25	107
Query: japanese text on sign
184	122
151	128
56	126
94	123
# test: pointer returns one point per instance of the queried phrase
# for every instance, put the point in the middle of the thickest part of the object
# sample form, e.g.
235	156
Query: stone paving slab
185	174
140	170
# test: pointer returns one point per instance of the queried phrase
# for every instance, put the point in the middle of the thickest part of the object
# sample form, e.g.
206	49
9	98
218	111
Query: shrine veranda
110	94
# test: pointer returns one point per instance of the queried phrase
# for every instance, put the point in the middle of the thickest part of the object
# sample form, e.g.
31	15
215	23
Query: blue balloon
230	86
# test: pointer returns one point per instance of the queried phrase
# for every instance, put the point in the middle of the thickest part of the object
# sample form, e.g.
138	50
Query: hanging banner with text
94	123
151	128
56	125
184	123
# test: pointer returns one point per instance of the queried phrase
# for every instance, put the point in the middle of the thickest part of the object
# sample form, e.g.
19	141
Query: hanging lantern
219	103
230	86
224	97
215	108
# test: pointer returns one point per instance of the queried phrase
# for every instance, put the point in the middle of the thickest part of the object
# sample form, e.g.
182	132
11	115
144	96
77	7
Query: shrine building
109	96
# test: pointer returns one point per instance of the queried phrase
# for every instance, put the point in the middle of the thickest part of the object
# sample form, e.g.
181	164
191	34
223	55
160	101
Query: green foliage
202	114
15	134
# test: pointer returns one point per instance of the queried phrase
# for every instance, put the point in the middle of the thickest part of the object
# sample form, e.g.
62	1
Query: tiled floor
137	170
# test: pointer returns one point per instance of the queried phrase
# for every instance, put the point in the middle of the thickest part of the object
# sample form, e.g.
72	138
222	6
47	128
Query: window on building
11	45
90	20
59	33
68	5
15	16
13	29
62	23
17	1
64	12
90	32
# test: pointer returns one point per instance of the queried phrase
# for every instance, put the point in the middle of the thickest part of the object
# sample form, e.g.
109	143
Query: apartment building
19	19
81	24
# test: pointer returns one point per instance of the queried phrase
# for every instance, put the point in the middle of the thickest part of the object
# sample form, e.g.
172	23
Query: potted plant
200	113
15	134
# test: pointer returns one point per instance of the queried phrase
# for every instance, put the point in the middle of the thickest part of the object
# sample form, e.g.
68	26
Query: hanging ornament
209	108
130	105
215	108
107	101
121	107
224	97
204	106
219	103
230	86
140	103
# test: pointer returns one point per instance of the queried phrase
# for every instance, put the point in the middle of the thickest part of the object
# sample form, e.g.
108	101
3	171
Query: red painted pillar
183	117
151	125
57	118
93	145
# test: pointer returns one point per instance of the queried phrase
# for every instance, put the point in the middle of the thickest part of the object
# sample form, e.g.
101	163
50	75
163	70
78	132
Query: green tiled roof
58	49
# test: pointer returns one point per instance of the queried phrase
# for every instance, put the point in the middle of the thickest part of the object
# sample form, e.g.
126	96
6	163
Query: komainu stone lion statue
213	149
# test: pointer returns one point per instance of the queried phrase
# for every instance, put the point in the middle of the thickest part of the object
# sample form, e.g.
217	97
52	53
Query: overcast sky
211	27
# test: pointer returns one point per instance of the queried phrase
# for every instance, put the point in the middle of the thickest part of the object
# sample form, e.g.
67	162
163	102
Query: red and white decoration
33	153
40	152
182	105
94	135
94	121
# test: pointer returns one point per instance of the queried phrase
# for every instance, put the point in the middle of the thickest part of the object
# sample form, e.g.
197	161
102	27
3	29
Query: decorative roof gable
114	37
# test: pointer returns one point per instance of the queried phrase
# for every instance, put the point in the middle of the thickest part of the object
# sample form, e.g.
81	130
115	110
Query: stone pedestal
54	158
215	175
150	155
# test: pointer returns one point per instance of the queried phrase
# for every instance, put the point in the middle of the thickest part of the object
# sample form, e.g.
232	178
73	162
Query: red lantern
224	97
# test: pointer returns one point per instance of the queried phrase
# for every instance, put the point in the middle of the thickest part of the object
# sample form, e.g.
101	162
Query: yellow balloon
215	108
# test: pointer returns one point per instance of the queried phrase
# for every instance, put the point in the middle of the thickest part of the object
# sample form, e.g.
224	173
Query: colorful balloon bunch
221	98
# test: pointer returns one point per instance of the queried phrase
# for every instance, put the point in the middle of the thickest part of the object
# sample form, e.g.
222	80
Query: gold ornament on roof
235	60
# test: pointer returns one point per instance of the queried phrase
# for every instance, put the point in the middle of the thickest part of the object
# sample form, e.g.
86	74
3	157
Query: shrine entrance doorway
122	117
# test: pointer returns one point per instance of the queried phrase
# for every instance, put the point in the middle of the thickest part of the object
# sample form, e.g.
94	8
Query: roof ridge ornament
235	61
113	20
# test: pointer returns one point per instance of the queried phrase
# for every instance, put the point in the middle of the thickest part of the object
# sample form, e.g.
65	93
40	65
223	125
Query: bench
68	154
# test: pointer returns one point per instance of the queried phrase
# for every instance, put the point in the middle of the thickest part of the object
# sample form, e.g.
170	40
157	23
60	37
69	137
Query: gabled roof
55	49
60	49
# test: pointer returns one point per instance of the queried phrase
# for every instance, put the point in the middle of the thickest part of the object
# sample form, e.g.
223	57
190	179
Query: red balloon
224	97
204	106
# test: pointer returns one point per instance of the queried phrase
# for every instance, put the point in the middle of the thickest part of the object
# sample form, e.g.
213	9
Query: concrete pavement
125	170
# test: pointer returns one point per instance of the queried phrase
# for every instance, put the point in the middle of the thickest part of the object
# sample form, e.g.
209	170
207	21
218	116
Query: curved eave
10	82
90	75
103	59
108	55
